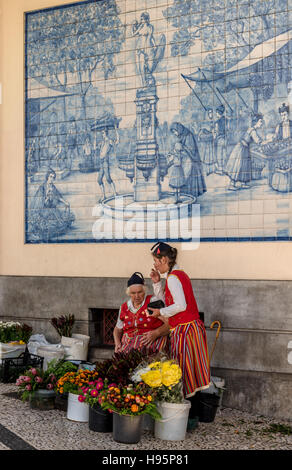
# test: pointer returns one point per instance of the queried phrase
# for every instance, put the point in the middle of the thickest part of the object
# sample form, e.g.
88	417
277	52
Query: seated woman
134	329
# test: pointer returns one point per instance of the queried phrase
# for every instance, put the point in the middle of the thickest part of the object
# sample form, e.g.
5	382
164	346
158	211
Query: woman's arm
151	336
179	301
117	333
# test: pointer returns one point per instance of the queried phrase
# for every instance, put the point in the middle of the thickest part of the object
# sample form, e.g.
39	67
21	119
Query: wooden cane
216	322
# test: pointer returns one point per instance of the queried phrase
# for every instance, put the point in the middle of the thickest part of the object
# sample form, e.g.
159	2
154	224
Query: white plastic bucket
173	424
8	350
76	347
76	410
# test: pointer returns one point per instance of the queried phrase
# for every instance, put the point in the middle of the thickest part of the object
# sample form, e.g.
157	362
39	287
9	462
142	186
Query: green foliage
59	367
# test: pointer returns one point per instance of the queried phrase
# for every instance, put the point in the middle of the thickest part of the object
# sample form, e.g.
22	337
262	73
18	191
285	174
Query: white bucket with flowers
164	377
13	339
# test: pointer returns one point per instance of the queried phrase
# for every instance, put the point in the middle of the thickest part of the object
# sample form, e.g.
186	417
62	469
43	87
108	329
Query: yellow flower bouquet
164	377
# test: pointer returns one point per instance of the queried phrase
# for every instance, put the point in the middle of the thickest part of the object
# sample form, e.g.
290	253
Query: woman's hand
155	314
118	347
155	276
148	338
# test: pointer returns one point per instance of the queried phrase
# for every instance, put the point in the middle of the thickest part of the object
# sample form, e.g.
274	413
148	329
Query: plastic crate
12	368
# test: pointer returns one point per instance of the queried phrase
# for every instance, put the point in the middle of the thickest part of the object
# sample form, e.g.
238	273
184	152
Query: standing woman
188	340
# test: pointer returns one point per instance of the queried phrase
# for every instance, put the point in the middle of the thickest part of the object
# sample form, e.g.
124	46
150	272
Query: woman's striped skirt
188	344
134	342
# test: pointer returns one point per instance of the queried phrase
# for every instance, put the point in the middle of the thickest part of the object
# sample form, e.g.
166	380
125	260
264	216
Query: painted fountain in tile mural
165	112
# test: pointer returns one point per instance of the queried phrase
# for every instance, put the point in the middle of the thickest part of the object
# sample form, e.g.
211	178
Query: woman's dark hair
170	252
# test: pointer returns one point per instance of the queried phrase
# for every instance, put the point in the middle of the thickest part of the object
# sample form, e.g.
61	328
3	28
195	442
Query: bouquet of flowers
90	393
119	368
164	377
74	382
64	324
130	400
14	332
35	379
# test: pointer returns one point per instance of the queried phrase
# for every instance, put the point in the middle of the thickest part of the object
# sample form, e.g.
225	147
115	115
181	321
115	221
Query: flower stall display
164	377
75	384
129	404
13	338
37	386
100	420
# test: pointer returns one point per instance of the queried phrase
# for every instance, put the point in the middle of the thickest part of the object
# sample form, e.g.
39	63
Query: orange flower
134	408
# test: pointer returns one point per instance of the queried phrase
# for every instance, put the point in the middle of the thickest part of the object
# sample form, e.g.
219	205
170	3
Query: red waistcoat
191	312
138	323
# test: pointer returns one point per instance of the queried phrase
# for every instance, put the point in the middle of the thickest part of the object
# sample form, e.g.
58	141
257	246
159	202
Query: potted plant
37	386
59	367
76	345
64	324
129	404
164	377
75	383
13	338
100	420
120	366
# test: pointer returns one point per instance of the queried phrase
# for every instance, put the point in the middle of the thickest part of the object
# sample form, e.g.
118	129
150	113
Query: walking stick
217	334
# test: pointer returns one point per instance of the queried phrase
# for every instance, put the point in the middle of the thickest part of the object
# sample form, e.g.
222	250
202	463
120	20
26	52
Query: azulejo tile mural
163	119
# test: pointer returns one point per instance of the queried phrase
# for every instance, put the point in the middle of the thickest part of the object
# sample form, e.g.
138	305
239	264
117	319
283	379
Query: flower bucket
209	402
173	424
11	350
42	400
148	423
76	410
100	420
127	429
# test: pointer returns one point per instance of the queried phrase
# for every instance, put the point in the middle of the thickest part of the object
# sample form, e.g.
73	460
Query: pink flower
26	379
81	398
38	379
33	371
28	387
94	393
99	386
49	386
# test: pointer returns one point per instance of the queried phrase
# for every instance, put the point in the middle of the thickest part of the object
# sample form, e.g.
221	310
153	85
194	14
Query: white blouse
177	292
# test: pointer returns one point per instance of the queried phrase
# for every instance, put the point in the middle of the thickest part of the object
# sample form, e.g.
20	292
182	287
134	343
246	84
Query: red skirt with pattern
188	343
134	342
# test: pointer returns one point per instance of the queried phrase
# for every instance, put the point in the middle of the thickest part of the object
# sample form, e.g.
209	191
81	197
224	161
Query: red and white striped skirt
188	344
128	343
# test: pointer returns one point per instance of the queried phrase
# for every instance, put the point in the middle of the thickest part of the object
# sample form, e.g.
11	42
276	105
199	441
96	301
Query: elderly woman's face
137	294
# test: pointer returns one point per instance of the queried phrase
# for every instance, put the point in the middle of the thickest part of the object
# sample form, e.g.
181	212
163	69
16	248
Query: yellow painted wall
210	261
